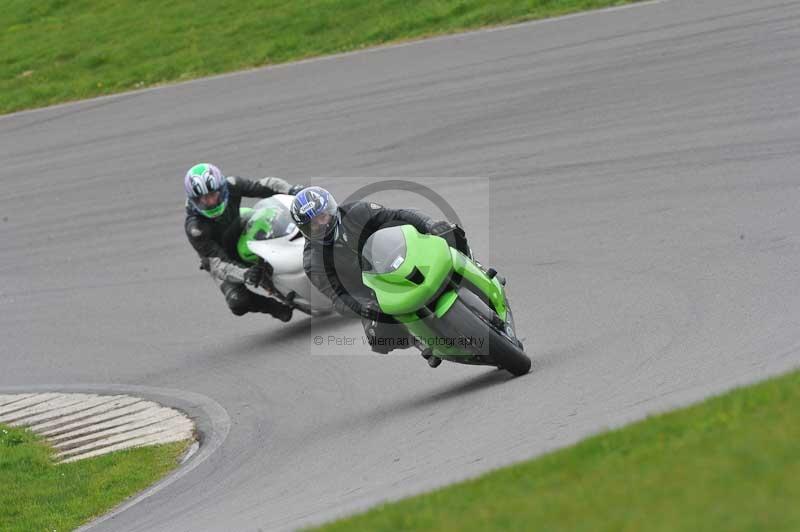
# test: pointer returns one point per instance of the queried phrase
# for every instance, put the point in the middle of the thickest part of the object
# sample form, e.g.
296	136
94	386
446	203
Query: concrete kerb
212	425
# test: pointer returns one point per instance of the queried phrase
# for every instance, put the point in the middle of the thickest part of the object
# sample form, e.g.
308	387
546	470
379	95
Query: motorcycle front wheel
473	326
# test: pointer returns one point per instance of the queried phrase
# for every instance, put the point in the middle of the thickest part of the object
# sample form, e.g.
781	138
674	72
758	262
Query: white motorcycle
271	234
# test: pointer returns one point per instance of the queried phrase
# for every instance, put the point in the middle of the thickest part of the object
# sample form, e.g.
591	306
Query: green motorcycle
453	309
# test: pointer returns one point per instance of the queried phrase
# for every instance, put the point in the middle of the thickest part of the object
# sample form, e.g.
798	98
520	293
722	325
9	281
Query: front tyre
466	322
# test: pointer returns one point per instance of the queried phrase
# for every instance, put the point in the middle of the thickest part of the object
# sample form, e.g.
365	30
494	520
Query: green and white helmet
206	189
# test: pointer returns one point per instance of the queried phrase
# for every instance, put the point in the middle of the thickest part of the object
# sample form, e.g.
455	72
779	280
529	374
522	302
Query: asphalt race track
634	175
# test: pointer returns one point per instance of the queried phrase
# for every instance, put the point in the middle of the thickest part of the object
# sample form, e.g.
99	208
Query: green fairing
490	287
396	294
260	222
445	302
434	291
434	258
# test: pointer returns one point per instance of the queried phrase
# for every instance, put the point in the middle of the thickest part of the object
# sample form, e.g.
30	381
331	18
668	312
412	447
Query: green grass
38	495
731	463
58	50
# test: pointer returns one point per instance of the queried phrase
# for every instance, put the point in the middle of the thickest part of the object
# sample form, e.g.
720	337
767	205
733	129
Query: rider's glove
370	311
370	317
452	233
278	185
294	190
254	275
440	227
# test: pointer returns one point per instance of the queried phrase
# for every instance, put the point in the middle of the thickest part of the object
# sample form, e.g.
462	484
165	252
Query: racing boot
283	313
272	307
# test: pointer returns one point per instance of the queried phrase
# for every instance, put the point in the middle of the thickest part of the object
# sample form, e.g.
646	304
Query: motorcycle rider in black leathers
213	226
335	236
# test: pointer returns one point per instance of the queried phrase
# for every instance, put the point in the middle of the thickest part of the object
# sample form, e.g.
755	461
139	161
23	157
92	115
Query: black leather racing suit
335	269
215	241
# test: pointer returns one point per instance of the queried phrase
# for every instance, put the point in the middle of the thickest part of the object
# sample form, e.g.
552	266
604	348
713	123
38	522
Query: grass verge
37	494
59	50
730	463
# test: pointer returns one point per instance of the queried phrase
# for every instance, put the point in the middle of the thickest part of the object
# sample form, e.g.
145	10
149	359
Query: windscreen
384	251
278	217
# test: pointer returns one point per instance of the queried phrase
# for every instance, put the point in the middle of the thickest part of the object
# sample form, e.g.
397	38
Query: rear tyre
467	322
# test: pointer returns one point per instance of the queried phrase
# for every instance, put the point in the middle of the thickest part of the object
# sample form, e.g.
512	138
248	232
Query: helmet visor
211	204
321	224
209	201
320	227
